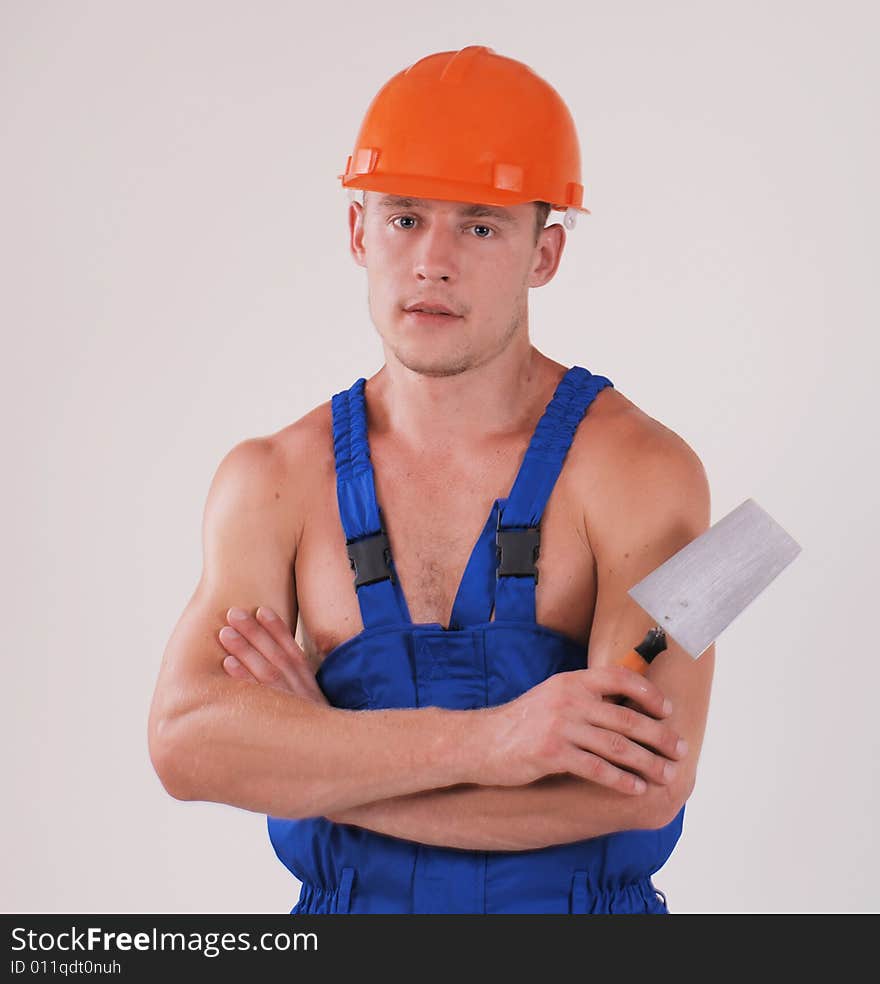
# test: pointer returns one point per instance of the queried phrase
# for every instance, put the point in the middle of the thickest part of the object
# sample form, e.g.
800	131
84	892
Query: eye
398	217
413	218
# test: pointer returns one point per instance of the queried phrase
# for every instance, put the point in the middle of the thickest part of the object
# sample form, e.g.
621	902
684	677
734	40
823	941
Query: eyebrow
487	211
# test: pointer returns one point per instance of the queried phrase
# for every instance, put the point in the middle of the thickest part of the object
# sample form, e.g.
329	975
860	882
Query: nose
435	254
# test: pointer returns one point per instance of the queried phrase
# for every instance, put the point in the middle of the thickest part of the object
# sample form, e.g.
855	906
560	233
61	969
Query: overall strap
376	583
476	592
519	518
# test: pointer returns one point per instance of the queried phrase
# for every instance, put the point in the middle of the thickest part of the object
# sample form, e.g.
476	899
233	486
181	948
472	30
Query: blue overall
475	662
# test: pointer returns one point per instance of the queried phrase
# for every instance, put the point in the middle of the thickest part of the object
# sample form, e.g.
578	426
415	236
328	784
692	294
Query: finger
596	769
278	654
271	666
638	727
257	635
254	661
617	750
235	669
279	630
620	681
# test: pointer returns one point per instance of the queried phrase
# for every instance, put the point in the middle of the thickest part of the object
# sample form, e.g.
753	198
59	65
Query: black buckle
370	558
517	551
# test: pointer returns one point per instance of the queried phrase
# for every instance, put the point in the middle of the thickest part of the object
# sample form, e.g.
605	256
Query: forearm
269	751
558	809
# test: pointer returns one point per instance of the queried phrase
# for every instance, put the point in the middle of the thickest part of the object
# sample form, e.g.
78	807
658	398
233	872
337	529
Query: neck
433	414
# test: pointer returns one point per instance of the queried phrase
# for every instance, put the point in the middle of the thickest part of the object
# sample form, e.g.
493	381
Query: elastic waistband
315	899
634	896
585	896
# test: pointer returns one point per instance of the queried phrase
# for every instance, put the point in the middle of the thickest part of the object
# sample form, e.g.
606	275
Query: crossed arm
660	503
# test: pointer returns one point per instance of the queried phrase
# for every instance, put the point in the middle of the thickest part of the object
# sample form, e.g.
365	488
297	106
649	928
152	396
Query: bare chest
434	513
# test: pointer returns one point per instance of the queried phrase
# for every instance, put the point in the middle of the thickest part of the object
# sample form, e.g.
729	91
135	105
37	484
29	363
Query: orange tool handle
634	661
639	657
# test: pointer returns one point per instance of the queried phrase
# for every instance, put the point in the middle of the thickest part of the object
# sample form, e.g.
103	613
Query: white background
177	278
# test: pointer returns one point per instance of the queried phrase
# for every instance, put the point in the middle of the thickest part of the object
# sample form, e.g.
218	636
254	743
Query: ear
356	233
547	254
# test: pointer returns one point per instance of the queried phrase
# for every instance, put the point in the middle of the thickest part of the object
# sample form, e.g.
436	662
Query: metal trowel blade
700	590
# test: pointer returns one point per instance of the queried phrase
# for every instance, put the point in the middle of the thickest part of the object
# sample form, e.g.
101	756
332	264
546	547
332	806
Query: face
479	261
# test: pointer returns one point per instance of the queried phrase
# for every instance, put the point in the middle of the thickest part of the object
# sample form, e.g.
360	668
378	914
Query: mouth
430	318
430	313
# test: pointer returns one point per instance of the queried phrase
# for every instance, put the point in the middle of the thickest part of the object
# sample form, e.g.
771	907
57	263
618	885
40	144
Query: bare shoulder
274	474
619	428
305	449
640	479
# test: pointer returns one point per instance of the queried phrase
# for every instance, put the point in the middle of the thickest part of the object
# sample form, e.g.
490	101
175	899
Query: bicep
248	555
659	502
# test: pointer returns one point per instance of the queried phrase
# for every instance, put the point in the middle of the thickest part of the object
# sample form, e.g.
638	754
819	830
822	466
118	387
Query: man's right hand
565	725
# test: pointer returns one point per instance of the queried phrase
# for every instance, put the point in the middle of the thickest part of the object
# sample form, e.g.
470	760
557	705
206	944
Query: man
450	736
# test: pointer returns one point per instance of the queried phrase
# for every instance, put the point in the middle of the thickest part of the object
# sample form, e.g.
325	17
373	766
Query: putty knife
699	591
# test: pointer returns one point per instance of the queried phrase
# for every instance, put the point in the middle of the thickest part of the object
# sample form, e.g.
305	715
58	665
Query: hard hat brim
407	185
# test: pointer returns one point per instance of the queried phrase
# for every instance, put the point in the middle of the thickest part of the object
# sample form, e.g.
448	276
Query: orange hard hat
470	126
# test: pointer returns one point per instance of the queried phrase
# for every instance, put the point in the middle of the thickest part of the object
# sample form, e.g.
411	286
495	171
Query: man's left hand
262	649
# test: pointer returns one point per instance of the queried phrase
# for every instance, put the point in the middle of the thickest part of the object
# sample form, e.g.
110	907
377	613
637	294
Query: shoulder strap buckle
370	558
518	551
